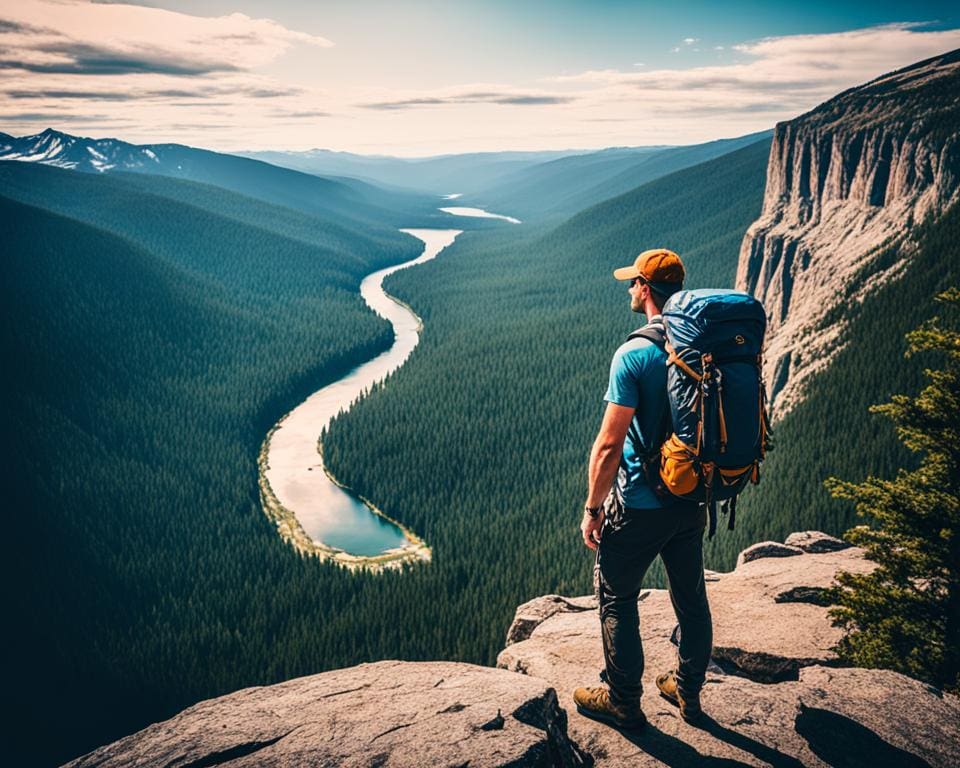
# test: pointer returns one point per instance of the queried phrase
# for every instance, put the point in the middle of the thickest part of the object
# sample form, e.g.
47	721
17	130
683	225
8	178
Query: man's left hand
590	527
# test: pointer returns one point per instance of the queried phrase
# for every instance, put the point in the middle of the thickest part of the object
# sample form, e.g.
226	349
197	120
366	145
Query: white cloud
690	40
480	93
70	36
231	103
795	73
64	61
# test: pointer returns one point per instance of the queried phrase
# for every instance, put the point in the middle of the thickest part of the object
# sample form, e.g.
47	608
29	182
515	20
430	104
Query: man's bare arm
604	461
606	453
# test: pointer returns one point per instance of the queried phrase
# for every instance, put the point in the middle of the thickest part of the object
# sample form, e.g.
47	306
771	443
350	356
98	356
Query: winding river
310	509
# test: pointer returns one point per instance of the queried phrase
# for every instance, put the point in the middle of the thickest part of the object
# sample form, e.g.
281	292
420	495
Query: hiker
628	524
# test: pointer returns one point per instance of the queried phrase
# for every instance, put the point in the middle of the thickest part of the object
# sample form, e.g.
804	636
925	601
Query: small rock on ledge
816	542
532	614
767	549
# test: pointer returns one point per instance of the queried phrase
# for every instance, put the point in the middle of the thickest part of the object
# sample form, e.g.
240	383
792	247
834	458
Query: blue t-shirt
638	379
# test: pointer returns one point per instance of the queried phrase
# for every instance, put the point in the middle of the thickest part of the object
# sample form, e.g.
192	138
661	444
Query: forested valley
481	443
154	331
157	328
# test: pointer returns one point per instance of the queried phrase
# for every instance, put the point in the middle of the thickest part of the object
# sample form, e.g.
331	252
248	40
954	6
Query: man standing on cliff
629	525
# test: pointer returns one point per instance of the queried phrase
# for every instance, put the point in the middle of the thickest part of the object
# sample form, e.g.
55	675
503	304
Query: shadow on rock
678	754
845	743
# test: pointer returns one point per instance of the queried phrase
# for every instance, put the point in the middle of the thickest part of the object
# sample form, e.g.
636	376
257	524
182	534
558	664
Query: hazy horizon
242	151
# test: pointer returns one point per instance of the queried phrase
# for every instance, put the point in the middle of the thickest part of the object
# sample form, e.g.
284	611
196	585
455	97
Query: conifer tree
905	615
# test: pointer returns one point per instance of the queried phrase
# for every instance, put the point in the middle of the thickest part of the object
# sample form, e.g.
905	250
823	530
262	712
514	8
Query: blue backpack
718	430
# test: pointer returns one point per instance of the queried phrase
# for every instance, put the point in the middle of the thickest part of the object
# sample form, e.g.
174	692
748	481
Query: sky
421	77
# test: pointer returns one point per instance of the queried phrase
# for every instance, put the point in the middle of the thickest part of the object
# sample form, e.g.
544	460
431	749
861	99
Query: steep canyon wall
845	183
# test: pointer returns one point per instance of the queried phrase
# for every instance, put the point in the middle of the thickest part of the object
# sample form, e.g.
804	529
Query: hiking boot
595	703
689	705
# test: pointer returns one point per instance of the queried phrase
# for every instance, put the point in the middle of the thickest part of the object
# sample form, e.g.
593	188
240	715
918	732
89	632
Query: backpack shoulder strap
656	333
653	332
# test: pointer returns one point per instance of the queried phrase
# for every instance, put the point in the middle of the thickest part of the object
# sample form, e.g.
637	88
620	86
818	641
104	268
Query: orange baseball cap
660	267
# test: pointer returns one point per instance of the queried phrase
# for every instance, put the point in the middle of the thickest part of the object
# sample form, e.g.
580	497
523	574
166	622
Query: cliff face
844	181
775	694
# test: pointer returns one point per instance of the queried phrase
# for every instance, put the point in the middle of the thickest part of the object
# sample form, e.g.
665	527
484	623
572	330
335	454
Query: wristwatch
593	512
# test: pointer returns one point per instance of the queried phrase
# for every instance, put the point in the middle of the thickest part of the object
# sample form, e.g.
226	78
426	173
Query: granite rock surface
390	713
775	694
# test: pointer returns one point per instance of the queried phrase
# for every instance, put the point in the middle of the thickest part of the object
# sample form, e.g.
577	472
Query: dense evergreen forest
480	442
152	338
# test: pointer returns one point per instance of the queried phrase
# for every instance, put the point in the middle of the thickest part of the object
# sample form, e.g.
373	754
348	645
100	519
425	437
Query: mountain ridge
561	188
844	180
344	197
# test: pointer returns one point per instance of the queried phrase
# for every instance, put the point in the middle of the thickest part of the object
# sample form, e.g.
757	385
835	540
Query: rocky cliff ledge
775	694
843	181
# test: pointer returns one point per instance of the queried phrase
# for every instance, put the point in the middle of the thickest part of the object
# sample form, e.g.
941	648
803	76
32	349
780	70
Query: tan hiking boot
689	705
595	703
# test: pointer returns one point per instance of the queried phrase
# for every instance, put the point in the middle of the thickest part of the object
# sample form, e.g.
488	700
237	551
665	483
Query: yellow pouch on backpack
679	467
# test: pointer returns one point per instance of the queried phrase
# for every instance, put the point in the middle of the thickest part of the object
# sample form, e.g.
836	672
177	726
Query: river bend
293	470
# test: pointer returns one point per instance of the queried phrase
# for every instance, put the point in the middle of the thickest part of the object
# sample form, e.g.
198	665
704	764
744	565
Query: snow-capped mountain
254	178
77	153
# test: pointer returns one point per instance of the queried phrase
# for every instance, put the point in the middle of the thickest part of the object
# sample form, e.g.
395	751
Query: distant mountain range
440	175
530	185
79	154
343	197
560	188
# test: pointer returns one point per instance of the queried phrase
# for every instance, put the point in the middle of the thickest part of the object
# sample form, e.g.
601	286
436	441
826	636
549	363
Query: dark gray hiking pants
629	542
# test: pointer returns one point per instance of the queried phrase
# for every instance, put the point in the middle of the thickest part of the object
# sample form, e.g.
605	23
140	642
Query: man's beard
636	305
